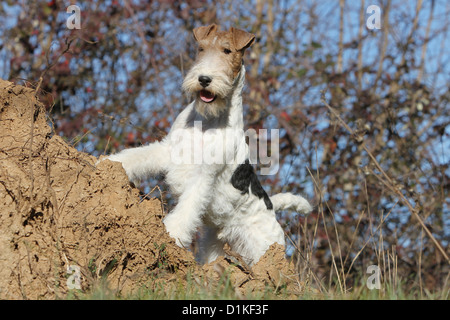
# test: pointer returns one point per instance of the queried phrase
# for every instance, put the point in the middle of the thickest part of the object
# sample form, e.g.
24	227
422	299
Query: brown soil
57	209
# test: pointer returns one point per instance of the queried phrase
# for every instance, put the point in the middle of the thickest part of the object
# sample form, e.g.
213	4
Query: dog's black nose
204	81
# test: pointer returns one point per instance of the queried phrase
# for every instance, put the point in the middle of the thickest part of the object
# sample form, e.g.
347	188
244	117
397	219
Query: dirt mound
59	212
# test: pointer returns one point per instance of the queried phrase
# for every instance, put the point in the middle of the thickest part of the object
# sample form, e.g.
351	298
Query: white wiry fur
206	196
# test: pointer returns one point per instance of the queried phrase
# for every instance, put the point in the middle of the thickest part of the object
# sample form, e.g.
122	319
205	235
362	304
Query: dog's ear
201	33
242	39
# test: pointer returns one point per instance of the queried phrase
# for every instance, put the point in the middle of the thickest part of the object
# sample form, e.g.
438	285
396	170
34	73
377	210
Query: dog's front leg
144	161
186	217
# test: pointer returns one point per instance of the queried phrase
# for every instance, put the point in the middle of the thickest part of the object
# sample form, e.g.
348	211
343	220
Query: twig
322	288
38	87
389	183
30	154
341	37
321	209
239	258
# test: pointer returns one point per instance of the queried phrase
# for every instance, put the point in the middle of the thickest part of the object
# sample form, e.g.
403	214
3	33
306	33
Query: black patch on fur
245	177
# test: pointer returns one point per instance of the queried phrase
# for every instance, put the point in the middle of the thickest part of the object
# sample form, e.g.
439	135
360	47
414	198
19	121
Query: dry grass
346	274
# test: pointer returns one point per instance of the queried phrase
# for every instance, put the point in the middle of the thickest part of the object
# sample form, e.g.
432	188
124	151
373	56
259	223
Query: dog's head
218	64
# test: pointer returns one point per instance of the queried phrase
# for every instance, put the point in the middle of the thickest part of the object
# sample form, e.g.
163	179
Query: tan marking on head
230	45
201	33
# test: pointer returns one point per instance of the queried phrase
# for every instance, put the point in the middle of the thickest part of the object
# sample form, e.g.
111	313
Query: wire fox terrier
223	195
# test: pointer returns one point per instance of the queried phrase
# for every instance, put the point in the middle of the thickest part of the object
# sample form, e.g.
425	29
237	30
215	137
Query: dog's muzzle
205	95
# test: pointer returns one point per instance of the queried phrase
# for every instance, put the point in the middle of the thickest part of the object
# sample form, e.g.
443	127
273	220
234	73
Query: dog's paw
177	230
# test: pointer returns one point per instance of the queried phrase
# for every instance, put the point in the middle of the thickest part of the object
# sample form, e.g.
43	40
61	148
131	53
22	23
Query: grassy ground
223	290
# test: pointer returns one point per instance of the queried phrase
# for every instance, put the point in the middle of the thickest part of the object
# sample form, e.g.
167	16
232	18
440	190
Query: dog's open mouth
206	96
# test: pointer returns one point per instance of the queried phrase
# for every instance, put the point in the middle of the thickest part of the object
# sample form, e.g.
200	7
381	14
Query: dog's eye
200	49
226	51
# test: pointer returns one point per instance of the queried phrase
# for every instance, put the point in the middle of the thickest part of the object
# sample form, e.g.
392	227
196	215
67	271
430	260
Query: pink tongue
206	96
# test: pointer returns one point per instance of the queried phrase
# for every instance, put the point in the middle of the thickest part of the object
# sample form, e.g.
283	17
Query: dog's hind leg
210	246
